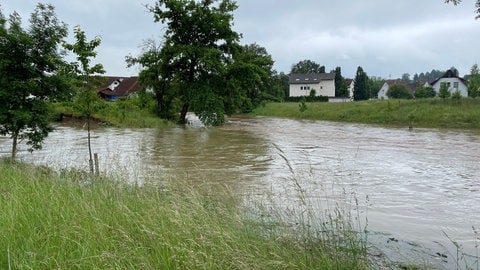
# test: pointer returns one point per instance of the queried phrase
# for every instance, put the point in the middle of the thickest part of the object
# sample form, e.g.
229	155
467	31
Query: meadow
428	113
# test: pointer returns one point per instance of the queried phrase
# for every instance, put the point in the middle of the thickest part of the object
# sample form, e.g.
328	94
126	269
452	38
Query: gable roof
310	78
451	73
119	86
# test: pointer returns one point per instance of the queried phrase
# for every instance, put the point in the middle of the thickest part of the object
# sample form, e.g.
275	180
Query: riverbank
122	113
67	219
428	113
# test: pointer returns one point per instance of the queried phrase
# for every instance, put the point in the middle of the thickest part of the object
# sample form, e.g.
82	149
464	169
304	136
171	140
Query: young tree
444	92
87	101
424	92
198	45
306	67
361	89
29	60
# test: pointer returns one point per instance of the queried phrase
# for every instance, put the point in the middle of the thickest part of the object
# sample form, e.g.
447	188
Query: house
303	84
119	87
382	93
350	87
453	81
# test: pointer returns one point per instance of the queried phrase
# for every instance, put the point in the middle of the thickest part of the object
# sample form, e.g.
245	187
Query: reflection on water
419	183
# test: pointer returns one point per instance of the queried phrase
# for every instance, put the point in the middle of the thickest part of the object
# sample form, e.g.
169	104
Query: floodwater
416	189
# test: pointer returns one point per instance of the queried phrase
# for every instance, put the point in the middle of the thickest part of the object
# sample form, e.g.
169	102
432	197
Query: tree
361	89
154	75
375	84
477	6
29	60
398	91
406	77
444	92
424	92
87	101
341	88
198	45
474	82
247	78
306	67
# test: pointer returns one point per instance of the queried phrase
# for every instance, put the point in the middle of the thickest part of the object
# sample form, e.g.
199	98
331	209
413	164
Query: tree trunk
90	161
14	144
183	115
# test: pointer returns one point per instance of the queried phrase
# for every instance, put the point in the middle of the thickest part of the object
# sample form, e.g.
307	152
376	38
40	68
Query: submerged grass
67	220
433	113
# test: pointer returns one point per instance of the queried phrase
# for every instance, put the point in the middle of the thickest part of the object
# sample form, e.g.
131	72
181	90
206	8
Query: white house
453	81
303	84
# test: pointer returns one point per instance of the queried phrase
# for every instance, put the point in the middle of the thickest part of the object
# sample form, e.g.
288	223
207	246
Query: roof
120	86
411	87
310	78
451	73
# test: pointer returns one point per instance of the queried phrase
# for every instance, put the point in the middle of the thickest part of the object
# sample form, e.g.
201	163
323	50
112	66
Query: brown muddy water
416	191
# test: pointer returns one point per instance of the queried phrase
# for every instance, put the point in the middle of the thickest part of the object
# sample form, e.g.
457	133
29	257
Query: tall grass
436	113
129	113
69	220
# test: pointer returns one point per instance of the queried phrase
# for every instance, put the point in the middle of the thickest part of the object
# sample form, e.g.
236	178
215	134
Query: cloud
384	37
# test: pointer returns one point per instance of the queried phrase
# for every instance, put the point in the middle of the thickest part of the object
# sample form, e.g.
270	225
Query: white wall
461	86
324	88
382	93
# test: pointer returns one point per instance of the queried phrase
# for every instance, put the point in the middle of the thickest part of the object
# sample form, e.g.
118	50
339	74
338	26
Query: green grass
433	113
121	113
67	220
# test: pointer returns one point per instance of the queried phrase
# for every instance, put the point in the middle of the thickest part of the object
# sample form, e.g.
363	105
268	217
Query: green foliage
425	92
456	95
311	99
361	90
306	67
341	87
474	82
303	105
87	101
444	92
375	84
198	45
398	91
29	61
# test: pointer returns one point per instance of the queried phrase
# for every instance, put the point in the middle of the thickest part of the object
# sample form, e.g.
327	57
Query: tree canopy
198	45
200	65
29	64
306	67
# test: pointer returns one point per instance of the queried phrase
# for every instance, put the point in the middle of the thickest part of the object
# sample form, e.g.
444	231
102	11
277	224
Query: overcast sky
385	37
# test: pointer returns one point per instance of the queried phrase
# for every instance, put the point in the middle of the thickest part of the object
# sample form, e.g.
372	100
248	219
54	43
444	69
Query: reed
72	220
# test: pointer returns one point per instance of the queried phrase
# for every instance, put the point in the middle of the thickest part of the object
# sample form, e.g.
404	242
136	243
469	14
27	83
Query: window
455	85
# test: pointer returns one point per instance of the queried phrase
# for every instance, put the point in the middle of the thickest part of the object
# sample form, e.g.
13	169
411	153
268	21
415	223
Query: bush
312	99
